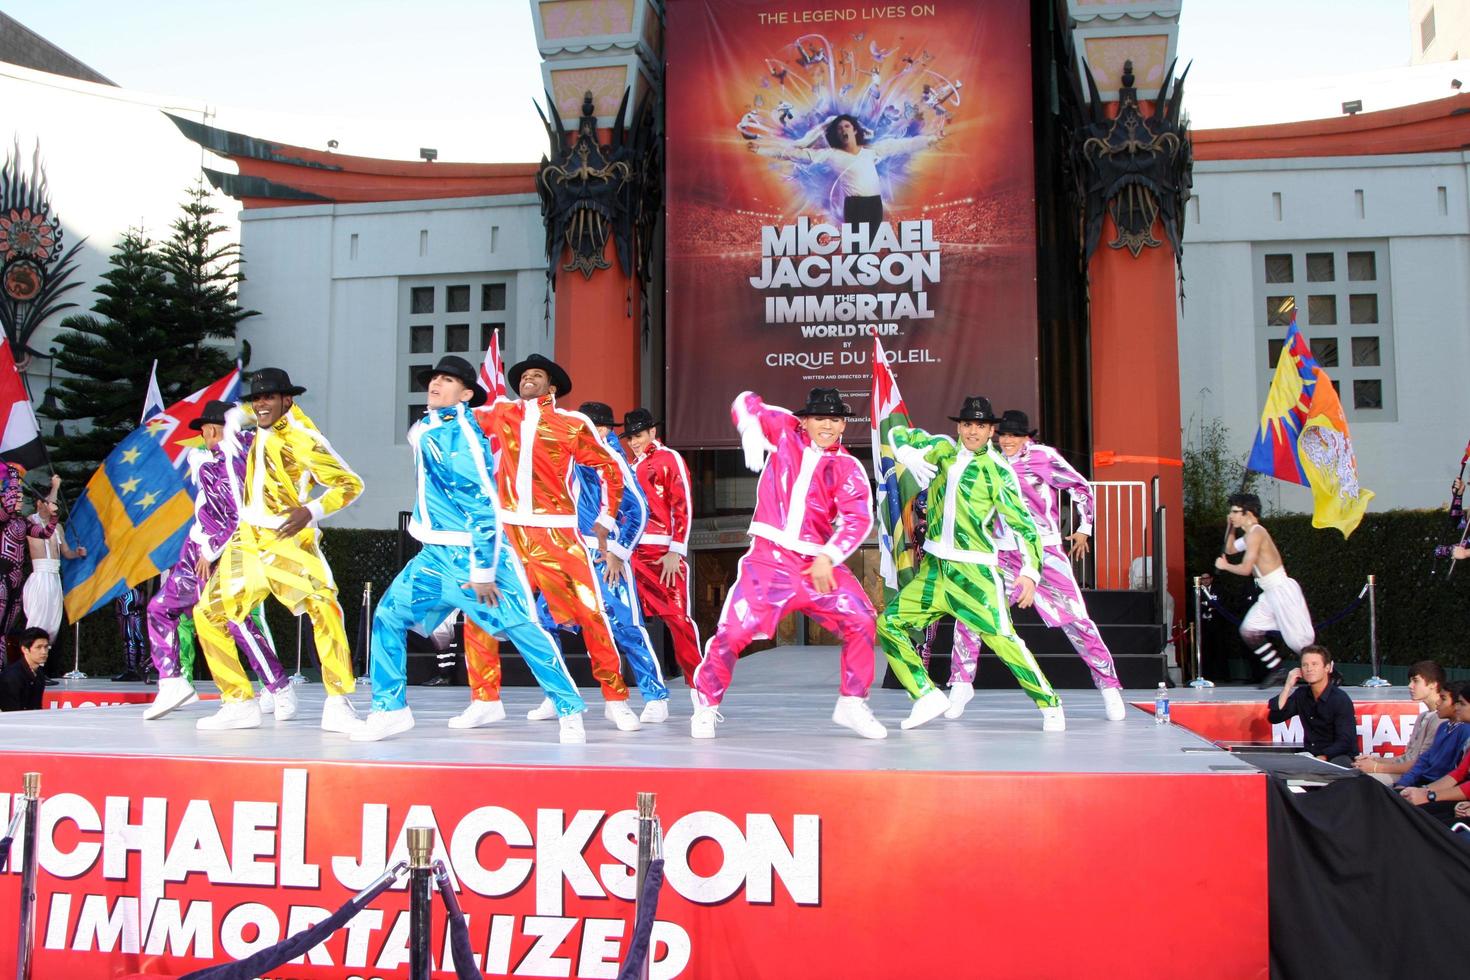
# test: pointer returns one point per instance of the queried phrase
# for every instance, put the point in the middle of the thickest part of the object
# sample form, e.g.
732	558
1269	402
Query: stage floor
777	718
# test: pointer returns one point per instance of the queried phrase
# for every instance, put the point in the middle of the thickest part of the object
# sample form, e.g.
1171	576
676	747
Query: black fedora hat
637	420
272	381
1014	422
825	401
560	380
976	409
598	413
459	369
213	414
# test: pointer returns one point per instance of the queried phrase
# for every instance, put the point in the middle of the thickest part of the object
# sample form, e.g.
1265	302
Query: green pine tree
202	312
107	355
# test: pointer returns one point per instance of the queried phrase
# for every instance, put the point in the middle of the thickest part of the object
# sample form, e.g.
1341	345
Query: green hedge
1421	613
355	556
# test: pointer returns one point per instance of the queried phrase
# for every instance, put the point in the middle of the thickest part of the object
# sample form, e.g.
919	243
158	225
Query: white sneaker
960	694
572	732
286	703
927	708
1052	719
379	725
173	692
231	715
338	715
545	711
267	701
854	713
1113	704
655	712
621	715
702	725
479	714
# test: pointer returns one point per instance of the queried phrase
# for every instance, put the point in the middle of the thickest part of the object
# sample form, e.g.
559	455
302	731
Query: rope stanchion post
75	674
420	901
299	677
650	847
1199	681
365	630
1375	680
27	917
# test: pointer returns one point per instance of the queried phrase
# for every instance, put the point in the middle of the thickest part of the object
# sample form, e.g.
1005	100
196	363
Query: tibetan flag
898	544
1287	404
1465	458
132	518
20	436
1327	458
171	425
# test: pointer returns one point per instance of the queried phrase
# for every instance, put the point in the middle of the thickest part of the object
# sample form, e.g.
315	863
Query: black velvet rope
643	928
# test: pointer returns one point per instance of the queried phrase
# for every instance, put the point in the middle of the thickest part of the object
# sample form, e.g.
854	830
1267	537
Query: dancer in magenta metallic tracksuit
219	472
1043	473
813	508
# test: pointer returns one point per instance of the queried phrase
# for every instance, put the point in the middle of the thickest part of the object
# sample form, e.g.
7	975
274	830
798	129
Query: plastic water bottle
1161	706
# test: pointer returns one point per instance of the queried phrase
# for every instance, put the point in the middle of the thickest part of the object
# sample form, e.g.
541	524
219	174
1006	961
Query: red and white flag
492	371
20	436
171	426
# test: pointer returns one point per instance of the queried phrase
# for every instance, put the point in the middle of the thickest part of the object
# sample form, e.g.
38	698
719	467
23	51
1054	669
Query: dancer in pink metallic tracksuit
1043	474
813	508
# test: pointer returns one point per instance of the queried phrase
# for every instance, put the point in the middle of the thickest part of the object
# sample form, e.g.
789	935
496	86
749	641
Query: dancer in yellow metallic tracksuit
276	550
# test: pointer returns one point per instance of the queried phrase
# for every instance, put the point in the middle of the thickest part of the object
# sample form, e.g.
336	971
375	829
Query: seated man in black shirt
23	682
1329	727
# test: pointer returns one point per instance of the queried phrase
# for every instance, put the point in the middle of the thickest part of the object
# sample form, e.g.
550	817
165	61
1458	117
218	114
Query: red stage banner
159	866
836	172
1384	727
102	699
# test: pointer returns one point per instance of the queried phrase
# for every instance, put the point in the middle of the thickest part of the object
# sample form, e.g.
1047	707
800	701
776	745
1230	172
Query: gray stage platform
777	717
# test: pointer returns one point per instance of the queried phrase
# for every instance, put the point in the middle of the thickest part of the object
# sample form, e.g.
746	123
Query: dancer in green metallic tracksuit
969	483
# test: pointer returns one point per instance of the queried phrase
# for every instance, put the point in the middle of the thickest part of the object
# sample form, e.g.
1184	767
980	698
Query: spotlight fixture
428	154
1352	108
331	144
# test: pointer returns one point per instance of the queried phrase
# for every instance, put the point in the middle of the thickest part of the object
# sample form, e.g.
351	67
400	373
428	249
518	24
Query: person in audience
1440	797
1427	682
1451	742
1329	728
24	681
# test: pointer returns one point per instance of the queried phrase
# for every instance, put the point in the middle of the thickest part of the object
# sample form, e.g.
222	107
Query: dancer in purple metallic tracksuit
1043	473
219	473
14	529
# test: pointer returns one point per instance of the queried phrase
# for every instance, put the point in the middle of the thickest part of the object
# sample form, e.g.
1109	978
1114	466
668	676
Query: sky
386	77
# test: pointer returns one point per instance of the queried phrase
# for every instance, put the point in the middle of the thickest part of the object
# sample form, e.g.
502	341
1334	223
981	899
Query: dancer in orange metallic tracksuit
539	446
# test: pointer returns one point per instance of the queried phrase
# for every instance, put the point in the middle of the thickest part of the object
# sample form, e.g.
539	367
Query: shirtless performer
1281	606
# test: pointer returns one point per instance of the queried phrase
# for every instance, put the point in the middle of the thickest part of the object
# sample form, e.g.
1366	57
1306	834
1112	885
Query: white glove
753	441
912	459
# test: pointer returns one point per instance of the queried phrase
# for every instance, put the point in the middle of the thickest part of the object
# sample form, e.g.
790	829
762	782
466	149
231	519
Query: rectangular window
1320	267
1366	352
421	340
1362	266
457	338
1324	349
1278	268
1363	307
1367	393
1426	30
457	299
1273	352
492	296
421	299
488	331
414	384
1322	310
1279	310
415	412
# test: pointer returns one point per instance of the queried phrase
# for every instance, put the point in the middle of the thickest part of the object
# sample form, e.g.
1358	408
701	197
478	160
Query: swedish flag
132	519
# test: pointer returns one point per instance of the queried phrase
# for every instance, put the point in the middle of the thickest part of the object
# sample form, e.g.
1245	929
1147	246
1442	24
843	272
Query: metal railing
1122	533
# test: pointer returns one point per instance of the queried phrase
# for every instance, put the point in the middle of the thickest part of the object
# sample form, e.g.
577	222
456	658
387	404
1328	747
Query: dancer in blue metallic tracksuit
465	564
620	596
